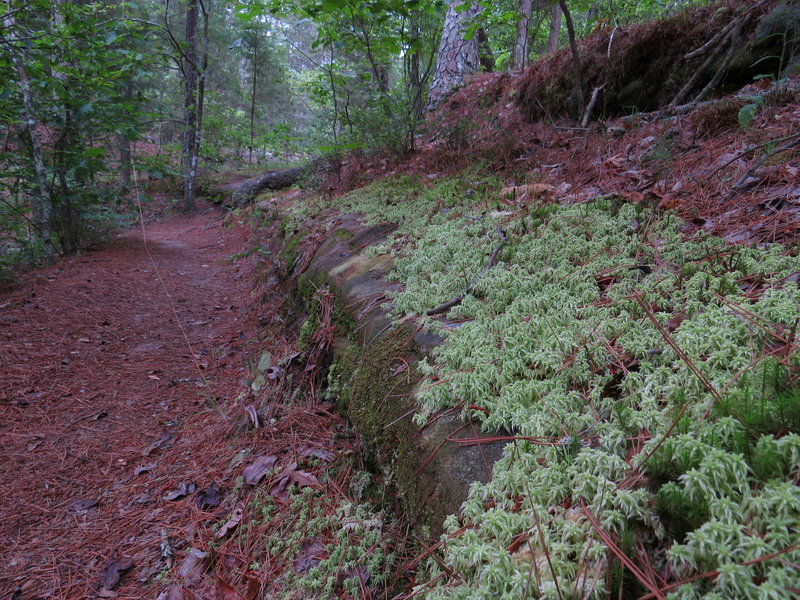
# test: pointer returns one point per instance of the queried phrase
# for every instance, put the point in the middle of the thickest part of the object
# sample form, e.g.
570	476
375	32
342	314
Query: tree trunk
457	58
190	104
254	65
43	206
273	180
576	61
415	70
485	55
555	28
125	145
521	47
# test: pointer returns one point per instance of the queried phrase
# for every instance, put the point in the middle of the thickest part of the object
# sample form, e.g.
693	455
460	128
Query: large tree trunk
521	46
457	58
43	206
555	28
189	142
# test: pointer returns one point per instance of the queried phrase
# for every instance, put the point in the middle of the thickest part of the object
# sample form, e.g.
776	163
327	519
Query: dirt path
104	405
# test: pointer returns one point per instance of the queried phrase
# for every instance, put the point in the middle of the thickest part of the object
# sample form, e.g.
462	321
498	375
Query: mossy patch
290	252
375	396
559	344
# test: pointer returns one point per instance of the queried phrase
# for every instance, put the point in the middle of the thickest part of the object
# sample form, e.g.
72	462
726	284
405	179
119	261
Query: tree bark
457	57
124	145
485	55
273	180
576	61
43	207
555	28
521	47
190	103
254	65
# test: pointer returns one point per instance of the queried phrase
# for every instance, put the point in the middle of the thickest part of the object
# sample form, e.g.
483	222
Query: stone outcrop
374	376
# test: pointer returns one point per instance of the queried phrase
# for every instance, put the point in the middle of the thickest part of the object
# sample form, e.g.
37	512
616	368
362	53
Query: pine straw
651	54
95	371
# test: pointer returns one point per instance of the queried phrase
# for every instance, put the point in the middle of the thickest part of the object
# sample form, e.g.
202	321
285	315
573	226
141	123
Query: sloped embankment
643	383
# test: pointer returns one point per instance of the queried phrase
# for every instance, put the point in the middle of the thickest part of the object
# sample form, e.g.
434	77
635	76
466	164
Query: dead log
273	180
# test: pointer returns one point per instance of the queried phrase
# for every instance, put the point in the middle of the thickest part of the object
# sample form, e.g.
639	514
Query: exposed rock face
376	380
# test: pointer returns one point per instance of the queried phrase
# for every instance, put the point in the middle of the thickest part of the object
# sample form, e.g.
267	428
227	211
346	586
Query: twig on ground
442	308
741	183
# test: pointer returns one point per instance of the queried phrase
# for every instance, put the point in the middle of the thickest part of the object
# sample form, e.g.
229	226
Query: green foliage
77	58
748	112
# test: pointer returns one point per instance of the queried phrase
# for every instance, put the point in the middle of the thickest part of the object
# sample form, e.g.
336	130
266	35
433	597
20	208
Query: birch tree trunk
457	58
521	47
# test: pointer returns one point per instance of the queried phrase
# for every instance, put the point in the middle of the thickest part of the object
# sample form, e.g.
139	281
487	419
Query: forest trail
107	410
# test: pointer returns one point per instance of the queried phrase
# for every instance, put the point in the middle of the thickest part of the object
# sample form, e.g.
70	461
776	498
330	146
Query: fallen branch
750	149
273	180
443	308
734	37
721	34
590	107
684	91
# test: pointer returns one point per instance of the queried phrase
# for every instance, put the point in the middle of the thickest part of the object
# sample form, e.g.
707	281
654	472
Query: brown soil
130	357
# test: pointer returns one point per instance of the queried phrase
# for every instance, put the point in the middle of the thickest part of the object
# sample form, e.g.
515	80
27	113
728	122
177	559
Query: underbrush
649	382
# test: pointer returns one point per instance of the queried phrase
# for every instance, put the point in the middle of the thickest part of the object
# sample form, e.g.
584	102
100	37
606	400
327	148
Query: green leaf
747	113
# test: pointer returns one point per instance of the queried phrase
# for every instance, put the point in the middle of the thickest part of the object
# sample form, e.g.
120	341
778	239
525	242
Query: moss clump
372	396
557	344
291	251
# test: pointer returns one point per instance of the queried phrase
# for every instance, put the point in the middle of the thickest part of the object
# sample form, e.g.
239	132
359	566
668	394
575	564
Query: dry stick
693	79
442	308
735	37
741	182
760	559
679	351
716	38
589	107
624	558
750	149
545	548
611	41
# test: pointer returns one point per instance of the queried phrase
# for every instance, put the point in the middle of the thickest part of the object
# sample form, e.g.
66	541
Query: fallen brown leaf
111	574
310	554
232	522
193	565
255	472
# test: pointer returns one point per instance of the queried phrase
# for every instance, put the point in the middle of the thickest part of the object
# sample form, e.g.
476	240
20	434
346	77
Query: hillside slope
618	304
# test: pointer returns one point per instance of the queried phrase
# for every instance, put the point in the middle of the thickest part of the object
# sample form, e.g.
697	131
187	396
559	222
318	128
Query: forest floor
122	407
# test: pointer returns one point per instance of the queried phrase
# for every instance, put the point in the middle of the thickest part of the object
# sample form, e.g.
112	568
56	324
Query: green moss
557	343
290	252
555	346
371	396
343	234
